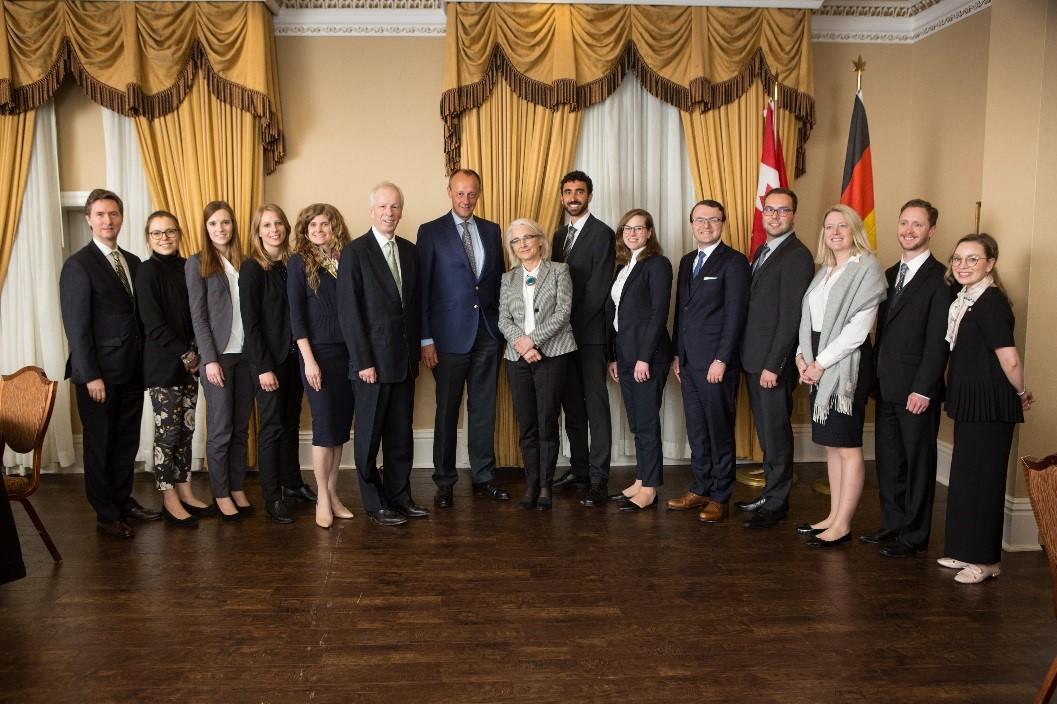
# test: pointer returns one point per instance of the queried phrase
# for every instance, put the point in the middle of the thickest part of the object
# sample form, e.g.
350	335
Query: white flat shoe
974	574
951	563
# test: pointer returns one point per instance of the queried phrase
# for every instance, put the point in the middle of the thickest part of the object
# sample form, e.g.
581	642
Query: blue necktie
699	263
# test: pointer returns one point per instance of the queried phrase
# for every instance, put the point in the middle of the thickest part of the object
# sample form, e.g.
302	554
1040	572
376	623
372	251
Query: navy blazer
313	314
100	319
710	309
453	302
643	312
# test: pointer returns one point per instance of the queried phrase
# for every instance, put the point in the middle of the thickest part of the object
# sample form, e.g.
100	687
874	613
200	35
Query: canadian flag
772	175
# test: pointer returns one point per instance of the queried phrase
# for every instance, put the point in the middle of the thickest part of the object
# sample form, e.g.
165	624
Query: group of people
312	311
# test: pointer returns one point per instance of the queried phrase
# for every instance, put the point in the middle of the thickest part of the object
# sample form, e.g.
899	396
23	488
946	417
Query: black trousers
536	390
478	372
585	401
642	403
111	438
771	412
384	419
710	410
280	422
976	496
906	469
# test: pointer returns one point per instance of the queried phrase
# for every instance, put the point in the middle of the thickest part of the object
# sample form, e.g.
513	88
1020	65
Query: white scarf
962	303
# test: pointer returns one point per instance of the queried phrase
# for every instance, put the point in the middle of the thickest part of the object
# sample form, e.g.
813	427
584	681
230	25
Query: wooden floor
484	603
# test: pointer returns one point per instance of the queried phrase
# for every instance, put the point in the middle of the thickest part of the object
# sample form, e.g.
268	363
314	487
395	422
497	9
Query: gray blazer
552	301
211	309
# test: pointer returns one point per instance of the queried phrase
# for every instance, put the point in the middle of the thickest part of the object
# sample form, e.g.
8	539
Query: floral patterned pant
174	424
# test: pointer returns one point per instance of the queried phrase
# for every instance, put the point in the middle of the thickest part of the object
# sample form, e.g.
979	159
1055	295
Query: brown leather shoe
687	501
714	512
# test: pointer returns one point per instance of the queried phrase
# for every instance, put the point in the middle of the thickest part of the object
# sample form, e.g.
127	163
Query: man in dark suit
588	246
781	271
712	296
461	263
911	358
378	292
105	364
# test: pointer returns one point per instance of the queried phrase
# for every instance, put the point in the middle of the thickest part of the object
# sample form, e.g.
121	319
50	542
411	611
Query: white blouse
851	335
529	294
618	286
235	340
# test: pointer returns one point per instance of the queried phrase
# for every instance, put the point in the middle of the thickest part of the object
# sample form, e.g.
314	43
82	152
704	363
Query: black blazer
911	349
710	308
643	314
772	325
100	319
379	330
265	315
591	264
161	298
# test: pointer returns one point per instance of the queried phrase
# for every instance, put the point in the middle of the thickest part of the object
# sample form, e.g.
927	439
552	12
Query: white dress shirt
618	286
108	253
912	266
383	242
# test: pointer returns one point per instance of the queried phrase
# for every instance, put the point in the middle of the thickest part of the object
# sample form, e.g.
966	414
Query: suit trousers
280	422
478	372
642	403
906	469
585	400
710	410
384	419
227	424
536	390
771	413
111	438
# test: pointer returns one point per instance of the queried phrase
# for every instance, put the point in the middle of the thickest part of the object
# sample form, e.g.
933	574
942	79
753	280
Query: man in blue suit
712	300
461	260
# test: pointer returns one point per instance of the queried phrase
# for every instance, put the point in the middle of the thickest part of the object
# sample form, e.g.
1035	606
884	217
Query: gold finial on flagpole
859	66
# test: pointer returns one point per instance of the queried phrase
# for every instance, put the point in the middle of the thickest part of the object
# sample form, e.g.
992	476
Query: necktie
903	268
120	269
467	244
570	237
698	263
390	258
760	256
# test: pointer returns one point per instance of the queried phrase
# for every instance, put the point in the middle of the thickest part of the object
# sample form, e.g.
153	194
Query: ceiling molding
883	23
362	22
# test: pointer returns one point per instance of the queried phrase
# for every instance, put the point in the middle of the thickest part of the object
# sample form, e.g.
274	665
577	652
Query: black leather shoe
544	503
570	479
444	498
301	493
630	506
115	529
201	511
753	505
229	517
491	491
386	517
140	513
808	529
190	522
527	503
619	496
277	511
765	518
596	496
246	510
818	542
411	511
881	535
899	549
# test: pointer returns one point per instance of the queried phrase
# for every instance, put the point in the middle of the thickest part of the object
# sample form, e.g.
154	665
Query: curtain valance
694	58
140	58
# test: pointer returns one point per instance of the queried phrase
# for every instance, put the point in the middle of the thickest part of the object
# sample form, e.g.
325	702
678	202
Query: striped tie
120	269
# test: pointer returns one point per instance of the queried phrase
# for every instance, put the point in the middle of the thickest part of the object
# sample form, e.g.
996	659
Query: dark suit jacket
910	347
591	263
643	314
379	330
452	300
775	296
265	316
710	308
100	319
313	314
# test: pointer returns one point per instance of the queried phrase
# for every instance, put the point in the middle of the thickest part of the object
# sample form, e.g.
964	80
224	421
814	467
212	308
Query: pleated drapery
16	145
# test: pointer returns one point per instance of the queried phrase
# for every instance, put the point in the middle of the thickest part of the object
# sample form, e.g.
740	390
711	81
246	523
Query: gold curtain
16	145
521	151
141	58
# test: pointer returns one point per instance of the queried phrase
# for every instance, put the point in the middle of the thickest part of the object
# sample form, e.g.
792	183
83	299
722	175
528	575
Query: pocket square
709	278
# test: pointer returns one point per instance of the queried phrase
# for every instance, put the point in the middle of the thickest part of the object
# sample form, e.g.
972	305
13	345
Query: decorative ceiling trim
891	29
873	8
362	21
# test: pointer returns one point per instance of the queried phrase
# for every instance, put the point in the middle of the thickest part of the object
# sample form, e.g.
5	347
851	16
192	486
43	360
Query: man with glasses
588	246
911	358
782	268
712	295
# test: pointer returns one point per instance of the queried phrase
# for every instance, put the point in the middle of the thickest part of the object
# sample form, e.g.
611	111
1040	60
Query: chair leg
1049	685
42	530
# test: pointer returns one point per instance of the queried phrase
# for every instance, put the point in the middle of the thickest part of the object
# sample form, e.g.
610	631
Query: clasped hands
525	347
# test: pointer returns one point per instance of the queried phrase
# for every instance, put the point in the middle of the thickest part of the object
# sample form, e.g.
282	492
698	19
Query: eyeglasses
970	261
516	242
637	229
781	212
711	221
164	234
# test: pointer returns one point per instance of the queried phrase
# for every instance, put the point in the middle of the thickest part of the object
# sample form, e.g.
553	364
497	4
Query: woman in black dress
312	287
986	398
170	362
273	362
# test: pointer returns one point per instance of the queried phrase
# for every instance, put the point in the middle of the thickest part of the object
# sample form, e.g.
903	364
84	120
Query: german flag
857	187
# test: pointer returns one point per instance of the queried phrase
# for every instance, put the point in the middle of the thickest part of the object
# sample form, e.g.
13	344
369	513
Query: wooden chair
1041	476
27	398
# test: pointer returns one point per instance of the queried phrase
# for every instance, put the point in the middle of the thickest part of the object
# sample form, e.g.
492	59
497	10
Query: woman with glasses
835	357
640	347
170	361
213	292
535	300
986	398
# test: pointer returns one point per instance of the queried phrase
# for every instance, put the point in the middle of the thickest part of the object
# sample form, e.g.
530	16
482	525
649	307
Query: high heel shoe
630	506
246	510
200	511
325	522
527	503
544	503
190	522
229	517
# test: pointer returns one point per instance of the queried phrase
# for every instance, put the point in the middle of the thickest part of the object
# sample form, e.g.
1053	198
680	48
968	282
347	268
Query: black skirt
842	430
333	404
